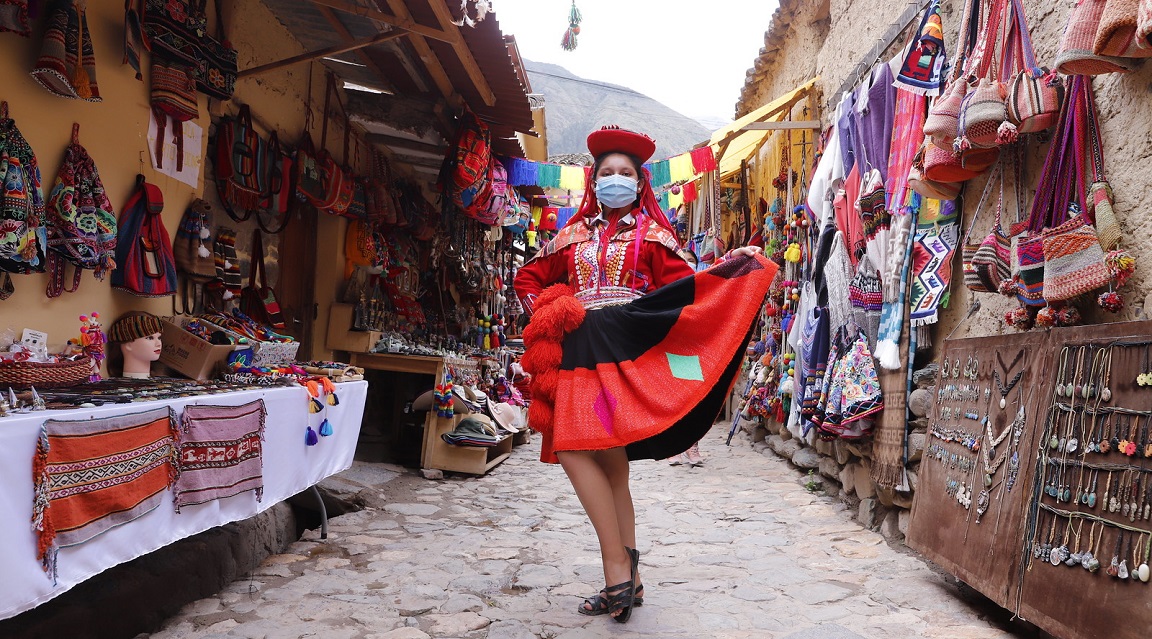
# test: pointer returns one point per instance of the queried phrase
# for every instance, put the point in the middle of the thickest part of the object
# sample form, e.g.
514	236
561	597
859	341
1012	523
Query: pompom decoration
1018	319
557	313
1007	287
310	437
1068	316
1111	301
1007	133
1046	318
1121	264
676	189
792	253
568	43
325	428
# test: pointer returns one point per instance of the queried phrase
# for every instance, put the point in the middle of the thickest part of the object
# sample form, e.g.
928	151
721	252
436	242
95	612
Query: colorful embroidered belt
593	298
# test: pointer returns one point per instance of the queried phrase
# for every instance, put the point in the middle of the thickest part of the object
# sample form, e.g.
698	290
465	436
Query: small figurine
92	340
4	407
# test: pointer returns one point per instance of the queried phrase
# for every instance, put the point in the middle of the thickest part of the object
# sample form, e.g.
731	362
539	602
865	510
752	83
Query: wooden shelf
476	460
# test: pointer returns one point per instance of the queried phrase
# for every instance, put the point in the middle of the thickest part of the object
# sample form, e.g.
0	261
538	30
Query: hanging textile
220	452
876	108
937	235
572	178
907	135
680	167
922	71
703	159
92	475
892	316
888	439
67	63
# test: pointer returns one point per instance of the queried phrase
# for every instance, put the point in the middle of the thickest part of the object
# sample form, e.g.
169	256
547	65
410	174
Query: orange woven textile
92	475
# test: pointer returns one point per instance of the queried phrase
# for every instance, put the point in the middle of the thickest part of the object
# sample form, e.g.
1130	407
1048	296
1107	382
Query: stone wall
828	38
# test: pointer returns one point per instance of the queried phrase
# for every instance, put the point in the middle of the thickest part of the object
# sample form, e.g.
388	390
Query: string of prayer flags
572	178
703	160
681	167
690	192
521	172
661	172
548	176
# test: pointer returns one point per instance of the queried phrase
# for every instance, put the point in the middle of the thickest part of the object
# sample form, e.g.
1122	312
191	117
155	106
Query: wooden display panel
996	555
983	551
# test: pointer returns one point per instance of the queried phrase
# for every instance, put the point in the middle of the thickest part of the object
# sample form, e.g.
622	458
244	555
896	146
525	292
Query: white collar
628	218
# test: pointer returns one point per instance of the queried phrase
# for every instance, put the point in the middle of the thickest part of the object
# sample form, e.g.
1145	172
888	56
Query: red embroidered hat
612	138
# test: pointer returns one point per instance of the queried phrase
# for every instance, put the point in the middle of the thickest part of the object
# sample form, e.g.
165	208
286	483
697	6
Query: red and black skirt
650	375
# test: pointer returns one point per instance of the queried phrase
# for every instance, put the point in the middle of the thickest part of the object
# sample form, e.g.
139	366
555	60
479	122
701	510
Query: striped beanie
135	326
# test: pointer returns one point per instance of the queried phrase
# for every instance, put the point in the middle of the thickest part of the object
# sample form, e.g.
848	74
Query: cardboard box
191	356
341	337
263	353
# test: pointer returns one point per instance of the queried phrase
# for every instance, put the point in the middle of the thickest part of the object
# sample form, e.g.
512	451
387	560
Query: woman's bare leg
600	479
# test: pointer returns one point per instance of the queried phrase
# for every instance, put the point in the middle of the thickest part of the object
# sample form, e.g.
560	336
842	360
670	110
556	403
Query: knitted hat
133	327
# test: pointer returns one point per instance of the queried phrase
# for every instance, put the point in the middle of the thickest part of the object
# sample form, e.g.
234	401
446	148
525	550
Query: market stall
284	465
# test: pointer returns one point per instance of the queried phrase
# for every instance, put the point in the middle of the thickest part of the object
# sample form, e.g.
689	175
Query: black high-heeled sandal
597	604
625	600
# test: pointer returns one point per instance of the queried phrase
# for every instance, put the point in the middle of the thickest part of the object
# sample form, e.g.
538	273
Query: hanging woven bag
1118	34
1076	55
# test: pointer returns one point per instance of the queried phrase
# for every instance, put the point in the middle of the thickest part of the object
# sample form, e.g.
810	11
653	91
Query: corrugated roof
399	67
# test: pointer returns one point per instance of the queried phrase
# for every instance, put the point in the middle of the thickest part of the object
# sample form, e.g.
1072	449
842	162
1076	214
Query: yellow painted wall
115	134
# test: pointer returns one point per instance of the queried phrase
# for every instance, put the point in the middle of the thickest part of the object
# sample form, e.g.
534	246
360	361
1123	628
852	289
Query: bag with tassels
1035	94
983	111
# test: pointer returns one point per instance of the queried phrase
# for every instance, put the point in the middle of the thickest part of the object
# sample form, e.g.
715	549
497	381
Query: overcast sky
689	54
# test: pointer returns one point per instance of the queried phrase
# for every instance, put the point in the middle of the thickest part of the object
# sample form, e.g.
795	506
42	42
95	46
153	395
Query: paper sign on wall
193	150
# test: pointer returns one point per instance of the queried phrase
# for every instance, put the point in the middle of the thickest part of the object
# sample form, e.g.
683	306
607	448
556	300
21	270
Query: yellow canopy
732	144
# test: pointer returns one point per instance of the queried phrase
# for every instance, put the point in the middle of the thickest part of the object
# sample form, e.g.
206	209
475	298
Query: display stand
1013	553
435	453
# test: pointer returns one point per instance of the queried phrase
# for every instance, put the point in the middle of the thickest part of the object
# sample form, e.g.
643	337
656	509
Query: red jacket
600	263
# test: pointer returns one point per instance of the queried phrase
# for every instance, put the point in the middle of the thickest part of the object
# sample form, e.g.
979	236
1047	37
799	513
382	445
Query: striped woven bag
1073	260
1077	55
1035	94
1117	34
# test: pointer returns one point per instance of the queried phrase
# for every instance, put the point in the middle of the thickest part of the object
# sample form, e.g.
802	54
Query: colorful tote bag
1073	260
67	62
1077	55
81	222
145	265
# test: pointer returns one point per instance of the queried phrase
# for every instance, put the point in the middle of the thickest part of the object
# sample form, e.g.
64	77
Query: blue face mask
616	191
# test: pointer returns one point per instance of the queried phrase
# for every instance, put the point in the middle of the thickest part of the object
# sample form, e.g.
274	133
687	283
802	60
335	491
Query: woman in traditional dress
621	372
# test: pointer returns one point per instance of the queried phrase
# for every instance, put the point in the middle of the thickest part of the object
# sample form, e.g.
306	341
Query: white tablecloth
289	467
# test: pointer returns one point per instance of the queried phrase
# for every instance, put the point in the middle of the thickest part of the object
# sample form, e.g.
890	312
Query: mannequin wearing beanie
137	336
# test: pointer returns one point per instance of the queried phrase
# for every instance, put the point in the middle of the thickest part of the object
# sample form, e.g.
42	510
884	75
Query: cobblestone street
736	548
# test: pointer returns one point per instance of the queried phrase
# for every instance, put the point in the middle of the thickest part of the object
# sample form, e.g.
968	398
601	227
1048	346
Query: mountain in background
574	107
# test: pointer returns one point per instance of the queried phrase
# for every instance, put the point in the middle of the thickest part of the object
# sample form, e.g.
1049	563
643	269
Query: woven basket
43	375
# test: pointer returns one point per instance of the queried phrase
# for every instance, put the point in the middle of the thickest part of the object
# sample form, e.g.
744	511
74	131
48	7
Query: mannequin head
135	339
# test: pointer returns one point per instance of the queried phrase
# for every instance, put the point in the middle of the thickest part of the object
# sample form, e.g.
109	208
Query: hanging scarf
937	234
923	69
907	135
892	316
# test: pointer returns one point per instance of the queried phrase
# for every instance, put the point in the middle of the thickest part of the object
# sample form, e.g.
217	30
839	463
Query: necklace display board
1036	485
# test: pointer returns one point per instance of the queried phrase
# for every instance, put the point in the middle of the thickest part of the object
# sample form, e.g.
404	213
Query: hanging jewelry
956	368
1143	573
975	368
1122	569
1113	568
1074	559
1105	391
1145	378
1061	379
1088	560
1004	390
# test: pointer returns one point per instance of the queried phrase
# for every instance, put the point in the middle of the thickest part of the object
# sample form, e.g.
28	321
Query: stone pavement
734	549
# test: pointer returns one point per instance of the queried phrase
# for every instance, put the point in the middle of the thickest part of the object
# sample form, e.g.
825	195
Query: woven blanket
937	235
220	452
95	474
651	375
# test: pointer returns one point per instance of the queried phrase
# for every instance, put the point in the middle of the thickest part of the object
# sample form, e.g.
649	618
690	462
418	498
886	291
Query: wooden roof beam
404	144
465	54
347	36
323	53
402	20
427	56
